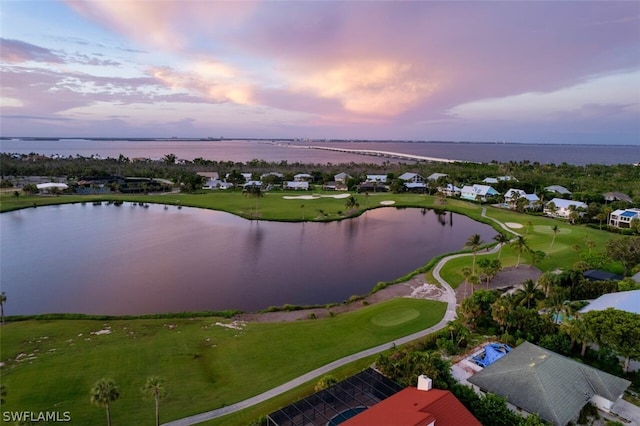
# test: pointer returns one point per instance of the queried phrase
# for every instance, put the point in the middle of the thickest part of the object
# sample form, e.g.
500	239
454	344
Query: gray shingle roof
540	381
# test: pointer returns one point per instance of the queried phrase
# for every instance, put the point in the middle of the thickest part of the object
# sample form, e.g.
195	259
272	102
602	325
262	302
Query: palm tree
555	231
520	244
103	393
302	208
474	242
351	203
154	388
3	300
528	293
502	240
466	273
546	282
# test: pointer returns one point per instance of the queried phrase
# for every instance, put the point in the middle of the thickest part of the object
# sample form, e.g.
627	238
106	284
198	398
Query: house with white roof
247	176
450	190
216	184
512	196
622	218
558	189
302	177
297	185
436	176
377	178
617	196
494	180
622	301
342	177
477	192
562	207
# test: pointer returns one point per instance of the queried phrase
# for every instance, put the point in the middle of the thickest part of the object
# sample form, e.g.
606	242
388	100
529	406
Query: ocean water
292	152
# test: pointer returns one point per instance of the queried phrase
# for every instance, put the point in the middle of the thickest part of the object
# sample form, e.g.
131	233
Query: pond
127	259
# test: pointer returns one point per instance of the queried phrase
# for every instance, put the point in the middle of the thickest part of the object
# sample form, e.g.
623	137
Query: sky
530	72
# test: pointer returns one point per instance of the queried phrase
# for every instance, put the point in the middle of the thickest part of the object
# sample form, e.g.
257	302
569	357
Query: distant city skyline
522	72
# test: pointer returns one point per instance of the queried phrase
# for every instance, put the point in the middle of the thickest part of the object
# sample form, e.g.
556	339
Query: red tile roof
413	407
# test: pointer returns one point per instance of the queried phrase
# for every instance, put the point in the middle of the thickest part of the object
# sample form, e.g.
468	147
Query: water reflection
112	260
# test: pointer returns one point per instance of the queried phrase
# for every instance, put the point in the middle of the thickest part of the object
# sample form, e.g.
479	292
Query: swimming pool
345	415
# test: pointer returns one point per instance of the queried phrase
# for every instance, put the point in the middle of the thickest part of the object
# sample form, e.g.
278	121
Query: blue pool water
345	415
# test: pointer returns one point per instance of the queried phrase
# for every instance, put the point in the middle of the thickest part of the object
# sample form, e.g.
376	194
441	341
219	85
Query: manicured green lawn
51	365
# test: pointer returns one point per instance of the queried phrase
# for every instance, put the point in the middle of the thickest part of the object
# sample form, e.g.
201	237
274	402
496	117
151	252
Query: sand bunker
314	197
513	225
387	202
300	197
337	196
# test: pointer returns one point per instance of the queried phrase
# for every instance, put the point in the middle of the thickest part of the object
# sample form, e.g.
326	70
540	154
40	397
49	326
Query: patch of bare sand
416	288
508	277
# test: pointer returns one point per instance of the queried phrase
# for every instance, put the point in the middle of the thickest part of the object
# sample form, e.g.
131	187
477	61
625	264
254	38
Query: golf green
395	317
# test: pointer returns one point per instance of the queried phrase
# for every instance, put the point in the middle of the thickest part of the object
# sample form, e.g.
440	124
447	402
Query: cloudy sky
552	72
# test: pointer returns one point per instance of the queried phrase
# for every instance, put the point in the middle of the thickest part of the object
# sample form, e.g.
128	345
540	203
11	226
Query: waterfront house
477	192
449	190
563	207
628	301
217	184
512	196
623	218
537	380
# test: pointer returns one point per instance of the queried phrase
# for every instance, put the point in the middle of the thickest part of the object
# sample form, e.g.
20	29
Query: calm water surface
133	260
244	151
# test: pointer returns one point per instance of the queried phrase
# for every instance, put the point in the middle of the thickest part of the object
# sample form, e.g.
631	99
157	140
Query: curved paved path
450	315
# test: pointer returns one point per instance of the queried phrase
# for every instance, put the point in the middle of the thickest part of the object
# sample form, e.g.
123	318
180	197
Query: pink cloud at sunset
400	70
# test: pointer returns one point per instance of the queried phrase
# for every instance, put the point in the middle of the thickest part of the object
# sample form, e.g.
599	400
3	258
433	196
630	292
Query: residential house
436	176
413	182
335	186
623	218
495	180
622	301
411	177
297	185
377	178
512	196
477	192
342	177
617	196
252	183
209	175
416	406
276	174
247	176
561	190
303	177
599	275
538	380
371	187
562	207
450	190
216	184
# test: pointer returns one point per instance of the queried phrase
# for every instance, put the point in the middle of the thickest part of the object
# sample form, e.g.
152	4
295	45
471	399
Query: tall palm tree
466	273
104	392
546	281
502	240
528	293
520	244
555	231
474	242
154	388
3	300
